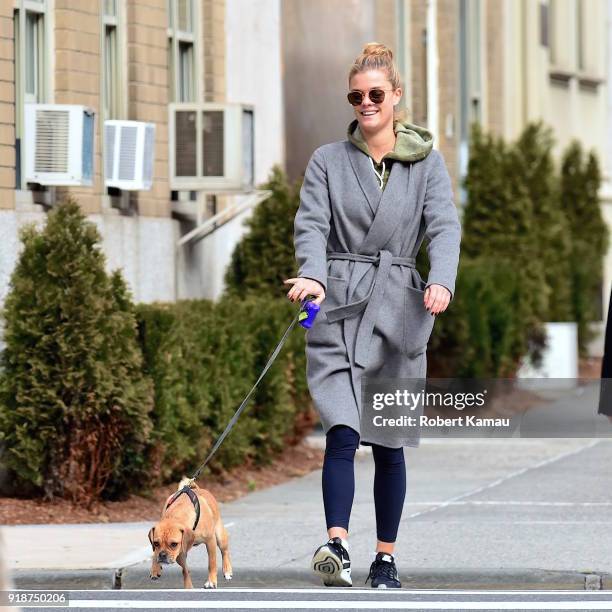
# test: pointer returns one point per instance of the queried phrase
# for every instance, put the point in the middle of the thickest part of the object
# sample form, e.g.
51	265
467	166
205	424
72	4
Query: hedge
204	358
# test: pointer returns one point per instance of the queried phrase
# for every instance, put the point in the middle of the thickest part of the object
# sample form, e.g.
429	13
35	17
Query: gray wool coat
360	243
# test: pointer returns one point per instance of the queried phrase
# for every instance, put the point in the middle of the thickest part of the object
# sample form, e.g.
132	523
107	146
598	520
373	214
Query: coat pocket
418	322
336	292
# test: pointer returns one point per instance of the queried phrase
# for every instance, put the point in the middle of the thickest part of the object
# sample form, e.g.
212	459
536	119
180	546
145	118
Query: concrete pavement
496	513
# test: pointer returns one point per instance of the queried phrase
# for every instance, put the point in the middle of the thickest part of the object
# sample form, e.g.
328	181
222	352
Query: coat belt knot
372	302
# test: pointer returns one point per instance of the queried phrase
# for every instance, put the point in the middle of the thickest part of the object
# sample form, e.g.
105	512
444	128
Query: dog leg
211	583
182	561
223	544
156	570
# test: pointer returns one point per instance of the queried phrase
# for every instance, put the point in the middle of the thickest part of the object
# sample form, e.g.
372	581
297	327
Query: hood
412	142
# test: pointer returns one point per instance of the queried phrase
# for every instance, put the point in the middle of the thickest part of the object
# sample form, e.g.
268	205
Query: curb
425	578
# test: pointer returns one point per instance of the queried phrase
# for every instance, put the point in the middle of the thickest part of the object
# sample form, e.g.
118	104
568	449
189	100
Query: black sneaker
331	562
384	573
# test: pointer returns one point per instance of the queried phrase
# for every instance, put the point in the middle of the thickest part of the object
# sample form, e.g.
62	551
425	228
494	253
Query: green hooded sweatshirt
412	142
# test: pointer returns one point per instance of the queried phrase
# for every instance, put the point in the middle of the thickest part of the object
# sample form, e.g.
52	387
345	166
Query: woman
365	206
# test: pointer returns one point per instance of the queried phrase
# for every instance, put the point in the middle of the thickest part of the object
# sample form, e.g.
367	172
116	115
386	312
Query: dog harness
194	500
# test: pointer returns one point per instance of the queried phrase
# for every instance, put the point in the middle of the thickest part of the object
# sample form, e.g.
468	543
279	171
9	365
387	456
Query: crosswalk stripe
356	590
362	605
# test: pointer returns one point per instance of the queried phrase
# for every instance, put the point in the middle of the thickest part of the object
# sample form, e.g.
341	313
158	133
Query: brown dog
174	535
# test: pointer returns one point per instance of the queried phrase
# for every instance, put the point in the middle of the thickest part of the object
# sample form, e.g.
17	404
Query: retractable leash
305	317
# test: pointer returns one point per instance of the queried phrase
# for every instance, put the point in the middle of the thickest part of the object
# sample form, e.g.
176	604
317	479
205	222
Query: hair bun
376	56
377	49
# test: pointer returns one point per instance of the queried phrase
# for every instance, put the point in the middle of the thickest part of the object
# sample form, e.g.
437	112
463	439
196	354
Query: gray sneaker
331	562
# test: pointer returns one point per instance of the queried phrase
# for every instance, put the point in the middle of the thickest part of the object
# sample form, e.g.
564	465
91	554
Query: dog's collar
194	500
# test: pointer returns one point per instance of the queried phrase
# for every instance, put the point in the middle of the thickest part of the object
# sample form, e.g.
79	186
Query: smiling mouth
368	113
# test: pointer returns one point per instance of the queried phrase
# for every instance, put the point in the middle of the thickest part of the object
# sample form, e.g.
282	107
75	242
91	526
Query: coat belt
372	302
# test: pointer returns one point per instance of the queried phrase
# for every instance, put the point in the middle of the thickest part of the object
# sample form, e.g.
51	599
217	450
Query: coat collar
365	176
388	206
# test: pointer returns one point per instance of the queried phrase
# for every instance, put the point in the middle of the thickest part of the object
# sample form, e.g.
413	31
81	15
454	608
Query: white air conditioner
128	154
211	147
59	144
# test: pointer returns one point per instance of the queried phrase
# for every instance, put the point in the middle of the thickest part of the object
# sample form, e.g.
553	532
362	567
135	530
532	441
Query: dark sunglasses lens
355	97
377	95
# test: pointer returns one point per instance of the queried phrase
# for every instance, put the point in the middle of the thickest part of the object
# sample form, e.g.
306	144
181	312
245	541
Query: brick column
213	49
495	65
77	80
213	53
147	52
448	82
7	108
418	87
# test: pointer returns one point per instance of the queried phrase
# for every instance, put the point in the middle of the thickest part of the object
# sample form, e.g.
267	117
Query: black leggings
339	482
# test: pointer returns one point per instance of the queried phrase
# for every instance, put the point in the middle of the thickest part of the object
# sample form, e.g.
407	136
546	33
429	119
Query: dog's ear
187	539
151	536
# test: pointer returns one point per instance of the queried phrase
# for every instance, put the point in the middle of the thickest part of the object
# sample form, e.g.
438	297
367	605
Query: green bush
580	183
265	256
99	398
482	335
204	358
499	220
74	404
552	237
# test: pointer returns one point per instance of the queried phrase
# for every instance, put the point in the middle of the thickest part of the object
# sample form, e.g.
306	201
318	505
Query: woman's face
374	117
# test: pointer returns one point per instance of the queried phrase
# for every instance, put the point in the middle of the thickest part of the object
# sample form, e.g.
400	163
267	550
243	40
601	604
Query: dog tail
189	482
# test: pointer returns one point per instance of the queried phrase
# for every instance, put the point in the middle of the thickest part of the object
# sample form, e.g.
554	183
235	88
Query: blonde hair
376	56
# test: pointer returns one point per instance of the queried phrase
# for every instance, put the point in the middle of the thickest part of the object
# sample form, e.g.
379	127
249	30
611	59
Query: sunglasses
376	95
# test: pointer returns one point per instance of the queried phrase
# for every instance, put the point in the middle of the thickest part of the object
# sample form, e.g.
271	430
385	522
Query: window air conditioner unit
128	154
59	141
211	147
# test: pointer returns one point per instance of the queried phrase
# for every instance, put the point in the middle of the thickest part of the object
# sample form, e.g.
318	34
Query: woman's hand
436	299
303	287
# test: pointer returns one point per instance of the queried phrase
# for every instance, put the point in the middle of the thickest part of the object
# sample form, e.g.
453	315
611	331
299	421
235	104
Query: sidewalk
496	513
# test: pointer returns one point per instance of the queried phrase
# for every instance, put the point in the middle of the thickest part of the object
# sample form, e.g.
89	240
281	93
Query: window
185	71
470	50
31	66
544	25
29	20
182	64
34	37
470	79
112	74
181	53
577	42
113	86
553	29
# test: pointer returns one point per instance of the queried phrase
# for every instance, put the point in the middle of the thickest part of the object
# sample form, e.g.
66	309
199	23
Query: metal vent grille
52	141
127	153
110	134
147	171
212	143
185	143
87	150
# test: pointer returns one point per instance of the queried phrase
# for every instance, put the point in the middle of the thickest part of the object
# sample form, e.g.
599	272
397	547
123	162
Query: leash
306	317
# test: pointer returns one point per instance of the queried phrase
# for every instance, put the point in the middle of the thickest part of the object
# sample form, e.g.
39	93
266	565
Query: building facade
502	63
140	60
